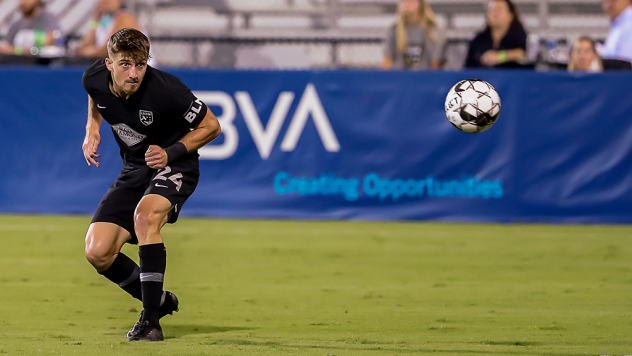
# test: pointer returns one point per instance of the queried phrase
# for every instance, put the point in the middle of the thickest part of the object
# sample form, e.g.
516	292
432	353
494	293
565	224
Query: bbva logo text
265	138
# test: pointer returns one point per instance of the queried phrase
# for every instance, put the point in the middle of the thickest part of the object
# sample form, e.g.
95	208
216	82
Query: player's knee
99	256
103	243
145	222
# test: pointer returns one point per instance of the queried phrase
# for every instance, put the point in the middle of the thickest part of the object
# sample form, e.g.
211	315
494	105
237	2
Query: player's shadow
177	331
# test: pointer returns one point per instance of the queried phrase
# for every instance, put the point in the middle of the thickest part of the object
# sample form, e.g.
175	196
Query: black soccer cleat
168	307
147	332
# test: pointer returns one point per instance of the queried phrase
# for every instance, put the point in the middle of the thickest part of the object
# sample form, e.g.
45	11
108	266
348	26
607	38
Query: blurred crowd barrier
294	34
361	144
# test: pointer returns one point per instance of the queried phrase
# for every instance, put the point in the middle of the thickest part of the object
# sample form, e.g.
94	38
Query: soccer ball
472	105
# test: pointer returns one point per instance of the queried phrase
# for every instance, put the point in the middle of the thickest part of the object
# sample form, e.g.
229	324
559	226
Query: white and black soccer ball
472	105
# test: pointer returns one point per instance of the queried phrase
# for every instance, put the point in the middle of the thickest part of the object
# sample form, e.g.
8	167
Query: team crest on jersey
146	117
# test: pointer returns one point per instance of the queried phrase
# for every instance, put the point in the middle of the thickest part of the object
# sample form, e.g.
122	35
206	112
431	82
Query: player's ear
108	63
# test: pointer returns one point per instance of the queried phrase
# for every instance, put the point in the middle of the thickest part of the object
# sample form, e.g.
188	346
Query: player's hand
156	157
490	58
90	146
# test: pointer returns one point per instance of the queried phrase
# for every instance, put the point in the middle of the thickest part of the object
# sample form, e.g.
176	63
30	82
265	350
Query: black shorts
176	182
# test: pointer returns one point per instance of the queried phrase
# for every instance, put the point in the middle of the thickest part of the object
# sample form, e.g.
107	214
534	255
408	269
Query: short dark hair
130	42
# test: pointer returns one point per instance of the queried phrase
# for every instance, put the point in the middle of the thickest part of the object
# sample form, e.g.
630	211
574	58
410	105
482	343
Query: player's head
28	7
614	8
584	55
502	14
128	52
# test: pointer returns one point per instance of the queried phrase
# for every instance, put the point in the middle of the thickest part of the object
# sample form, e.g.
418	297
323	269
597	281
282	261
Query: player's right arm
93	137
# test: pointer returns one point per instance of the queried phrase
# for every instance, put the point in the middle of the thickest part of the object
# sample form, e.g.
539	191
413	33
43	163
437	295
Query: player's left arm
206	131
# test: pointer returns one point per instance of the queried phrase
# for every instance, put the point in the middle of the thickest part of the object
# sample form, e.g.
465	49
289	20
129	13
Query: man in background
619	42
35	30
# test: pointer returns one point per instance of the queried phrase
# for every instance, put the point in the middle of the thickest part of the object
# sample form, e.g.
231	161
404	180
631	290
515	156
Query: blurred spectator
619	42
503	41
34	31
416	41
109	17
584	57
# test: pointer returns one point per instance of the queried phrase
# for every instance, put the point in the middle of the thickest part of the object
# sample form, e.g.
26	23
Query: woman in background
109	17
503	42
416	41
35	31
584	57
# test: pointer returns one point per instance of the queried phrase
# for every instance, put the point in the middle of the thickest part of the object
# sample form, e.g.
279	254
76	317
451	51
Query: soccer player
159	125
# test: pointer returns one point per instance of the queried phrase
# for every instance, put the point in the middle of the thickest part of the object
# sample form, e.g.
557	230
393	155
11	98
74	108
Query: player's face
614	8
584	55
127	75
498	14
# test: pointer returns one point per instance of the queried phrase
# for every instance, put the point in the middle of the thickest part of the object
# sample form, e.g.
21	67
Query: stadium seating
310	33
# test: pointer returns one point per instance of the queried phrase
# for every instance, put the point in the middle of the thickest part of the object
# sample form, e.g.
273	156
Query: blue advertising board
347	144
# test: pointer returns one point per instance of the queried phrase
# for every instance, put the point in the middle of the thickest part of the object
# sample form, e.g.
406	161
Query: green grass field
328	288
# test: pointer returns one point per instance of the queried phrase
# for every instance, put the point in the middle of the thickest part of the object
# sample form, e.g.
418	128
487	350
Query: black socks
125	273
153	261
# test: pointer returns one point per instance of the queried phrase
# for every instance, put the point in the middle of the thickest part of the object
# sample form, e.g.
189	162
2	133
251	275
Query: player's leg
164	197
151	214
104	241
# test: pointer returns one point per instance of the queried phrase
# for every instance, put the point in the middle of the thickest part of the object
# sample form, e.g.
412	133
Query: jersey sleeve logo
193	111
128	135
146	117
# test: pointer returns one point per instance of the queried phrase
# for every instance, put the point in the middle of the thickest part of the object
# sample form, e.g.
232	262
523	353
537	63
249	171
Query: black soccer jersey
160	113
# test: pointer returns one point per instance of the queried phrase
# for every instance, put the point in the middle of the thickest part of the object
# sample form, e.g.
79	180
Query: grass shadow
177	331
272	344
511	343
